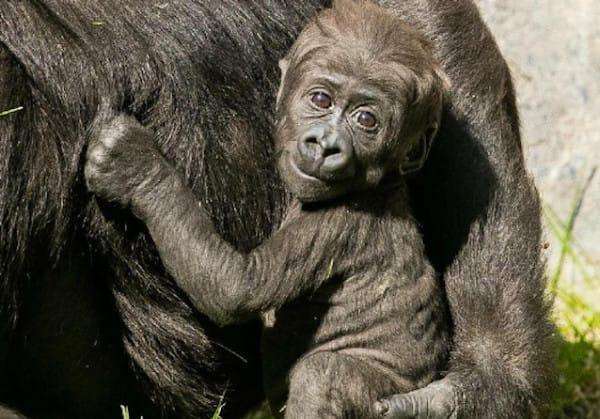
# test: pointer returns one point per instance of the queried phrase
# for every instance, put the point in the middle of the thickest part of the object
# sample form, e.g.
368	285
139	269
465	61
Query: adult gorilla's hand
438	400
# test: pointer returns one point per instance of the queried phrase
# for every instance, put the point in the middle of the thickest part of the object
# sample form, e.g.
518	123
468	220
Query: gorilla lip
300	172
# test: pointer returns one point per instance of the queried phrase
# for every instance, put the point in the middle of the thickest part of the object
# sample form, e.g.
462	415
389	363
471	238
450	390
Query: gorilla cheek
294	180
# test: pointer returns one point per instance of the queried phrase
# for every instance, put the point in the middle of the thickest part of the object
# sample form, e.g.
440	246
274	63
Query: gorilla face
338	140
338	135
347	116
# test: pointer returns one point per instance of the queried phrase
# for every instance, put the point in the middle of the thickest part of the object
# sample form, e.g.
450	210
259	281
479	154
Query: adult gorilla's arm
482	223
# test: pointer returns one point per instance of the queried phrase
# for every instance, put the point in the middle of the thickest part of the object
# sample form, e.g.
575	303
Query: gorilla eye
321	100
366	119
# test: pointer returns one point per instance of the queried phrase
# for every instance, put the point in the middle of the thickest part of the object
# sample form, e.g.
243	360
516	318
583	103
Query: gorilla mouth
301	173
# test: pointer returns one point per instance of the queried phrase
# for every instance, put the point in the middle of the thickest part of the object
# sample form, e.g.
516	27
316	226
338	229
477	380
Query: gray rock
553	49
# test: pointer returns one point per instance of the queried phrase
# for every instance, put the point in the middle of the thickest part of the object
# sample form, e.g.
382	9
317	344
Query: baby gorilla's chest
389	321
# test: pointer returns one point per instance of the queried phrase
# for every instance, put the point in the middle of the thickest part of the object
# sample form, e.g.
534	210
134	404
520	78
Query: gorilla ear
433	90
284	64
416	157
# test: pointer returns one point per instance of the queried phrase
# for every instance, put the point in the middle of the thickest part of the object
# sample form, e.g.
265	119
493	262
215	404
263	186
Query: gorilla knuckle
124	121
114	132
96	154
399	406
92	170
427	403
109	139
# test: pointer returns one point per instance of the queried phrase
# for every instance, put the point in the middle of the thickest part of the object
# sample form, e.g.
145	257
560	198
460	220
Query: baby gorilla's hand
121	159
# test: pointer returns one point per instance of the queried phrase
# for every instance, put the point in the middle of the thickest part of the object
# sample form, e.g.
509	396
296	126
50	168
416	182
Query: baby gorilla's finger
89	173
400	406
93	164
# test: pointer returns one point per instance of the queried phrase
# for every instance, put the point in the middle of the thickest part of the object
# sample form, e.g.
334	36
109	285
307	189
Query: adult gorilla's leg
66	357
60	337
58	72
48	340
28	374
481	217
12	86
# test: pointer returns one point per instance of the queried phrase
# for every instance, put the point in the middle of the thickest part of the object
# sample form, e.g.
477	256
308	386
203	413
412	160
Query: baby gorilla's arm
123	165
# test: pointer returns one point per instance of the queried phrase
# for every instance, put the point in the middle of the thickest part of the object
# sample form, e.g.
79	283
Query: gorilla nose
328	157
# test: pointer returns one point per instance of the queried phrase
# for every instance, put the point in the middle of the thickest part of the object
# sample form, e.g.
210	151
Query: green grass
125	412
578	321
217	414
577	316
578	395
10	111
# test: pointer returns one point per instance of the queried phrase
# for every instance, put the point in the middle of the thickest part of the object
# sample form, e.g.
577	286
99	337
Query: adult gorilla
89	320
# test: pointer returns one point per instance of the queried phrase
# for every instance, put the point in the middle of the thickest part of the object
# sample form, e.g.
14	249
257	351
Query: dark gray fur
359	314
90	320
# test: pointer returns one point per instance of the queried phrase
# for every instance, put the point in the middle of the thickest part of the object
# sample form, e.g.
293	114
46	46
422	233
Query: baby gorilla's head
360	97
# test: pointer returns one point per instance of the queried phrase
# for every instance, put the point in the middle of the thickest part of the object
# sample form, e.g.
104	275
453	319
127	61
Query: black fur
159	64
77	279
357	310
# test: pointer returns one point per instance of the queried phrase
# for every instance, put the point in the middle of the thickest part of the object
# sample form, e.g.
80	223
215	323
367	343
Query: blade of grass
552	216
565	242
577	256
217	414
9	111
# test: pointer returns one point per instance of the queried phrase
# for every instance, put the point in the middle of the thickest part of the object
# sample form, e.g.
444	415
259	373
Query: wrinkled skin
438	400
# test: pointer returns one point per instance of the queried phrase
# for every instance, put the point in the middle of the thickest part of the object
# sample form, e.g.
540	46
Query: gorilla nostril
330	151
309	148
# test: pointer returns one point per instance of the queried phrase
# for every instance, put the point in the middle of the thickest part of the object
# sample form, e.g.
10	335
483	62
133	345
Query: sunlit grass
217	414
10	111
125	412
563	233
577	316
578	394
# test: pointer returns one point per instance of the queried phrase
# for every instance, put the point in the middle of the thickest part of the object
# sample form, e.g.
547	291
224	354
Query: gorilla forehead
360	43
340	70
366	33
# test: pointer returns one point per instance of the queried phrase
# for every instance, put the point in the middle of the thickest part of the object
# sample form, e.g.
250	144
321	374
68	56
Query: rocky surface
553	49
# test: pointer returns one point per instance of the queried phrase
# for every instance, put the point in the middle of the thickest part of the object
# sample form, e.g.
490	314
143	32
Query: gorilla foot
438	400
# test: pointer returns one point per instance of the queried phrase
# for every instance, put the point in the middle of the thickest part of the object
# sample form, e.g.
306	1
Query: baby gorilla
358	313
